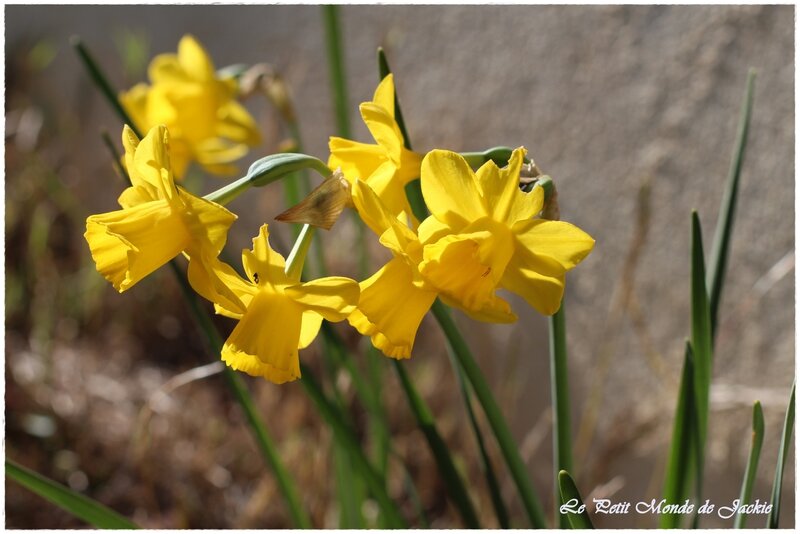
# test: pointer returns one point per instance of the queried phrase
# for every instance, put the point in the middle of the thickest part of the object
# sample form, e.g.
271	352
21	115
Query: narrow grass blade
783	452
570	497
722	234
81	506
505	440
559	387
345	435
97	76
455	486
752	463
492	483
701	345
349	494
333	40
116	157
681	456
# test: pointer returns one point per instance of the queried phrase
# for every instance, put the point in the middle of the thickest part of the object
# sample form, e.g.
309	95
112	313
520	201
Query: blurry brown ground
606	99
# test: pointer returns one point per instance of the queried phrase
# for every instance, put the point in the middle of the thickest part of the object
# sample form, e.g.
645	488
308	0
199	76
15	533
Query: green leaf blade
783	452
80	506
570	496
722	235
680	460
752	463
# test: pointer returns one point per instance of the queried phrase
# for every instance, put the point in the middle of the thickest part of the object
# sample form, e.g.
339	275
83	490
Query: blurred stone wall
607	100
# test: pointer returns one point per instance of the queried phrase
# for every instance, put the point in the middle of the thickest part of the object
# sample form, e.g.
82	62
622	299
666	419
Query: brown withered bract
323	205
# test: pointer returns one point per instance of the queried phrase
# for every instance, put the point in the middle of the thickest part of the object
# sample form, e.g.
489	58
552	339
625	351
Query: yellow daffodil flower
395	299
205	121
387	166
158	220
277	314
483	235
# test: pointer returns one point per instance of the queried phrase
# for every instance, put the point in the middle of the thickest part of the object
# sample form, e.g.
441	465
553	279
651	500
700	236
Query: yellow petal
496	310
151	162
391	309
502	196
262	264
449	188
129	244
559	242
207	221
217	282
384	95
388	186
194	60
333	297
384	130
543	293
468	267
236	123
311	323
394	235
265	341
133	196
432	230
357	160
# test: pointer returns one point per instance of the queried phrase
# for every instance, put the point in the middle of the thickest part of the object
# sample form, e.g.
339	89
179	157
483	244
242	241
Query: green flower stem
505	440
333	40
102	82
752	463
486	464
562	442
444	462
267	170
81	506
297	257
332	416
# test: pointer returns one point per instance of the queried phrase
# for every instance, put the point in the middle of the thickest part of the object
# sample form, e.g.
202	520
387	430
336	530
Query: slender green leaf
559	388
680	464
777	486
345	435
80	506
570	497
722	234
505	440
752	463
97	76
116	157
444	463
495	493
701	346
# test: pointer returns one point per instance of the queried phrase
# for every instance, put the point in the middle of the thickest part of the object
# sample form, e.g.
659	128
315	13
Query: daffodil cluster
484	233
198	107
